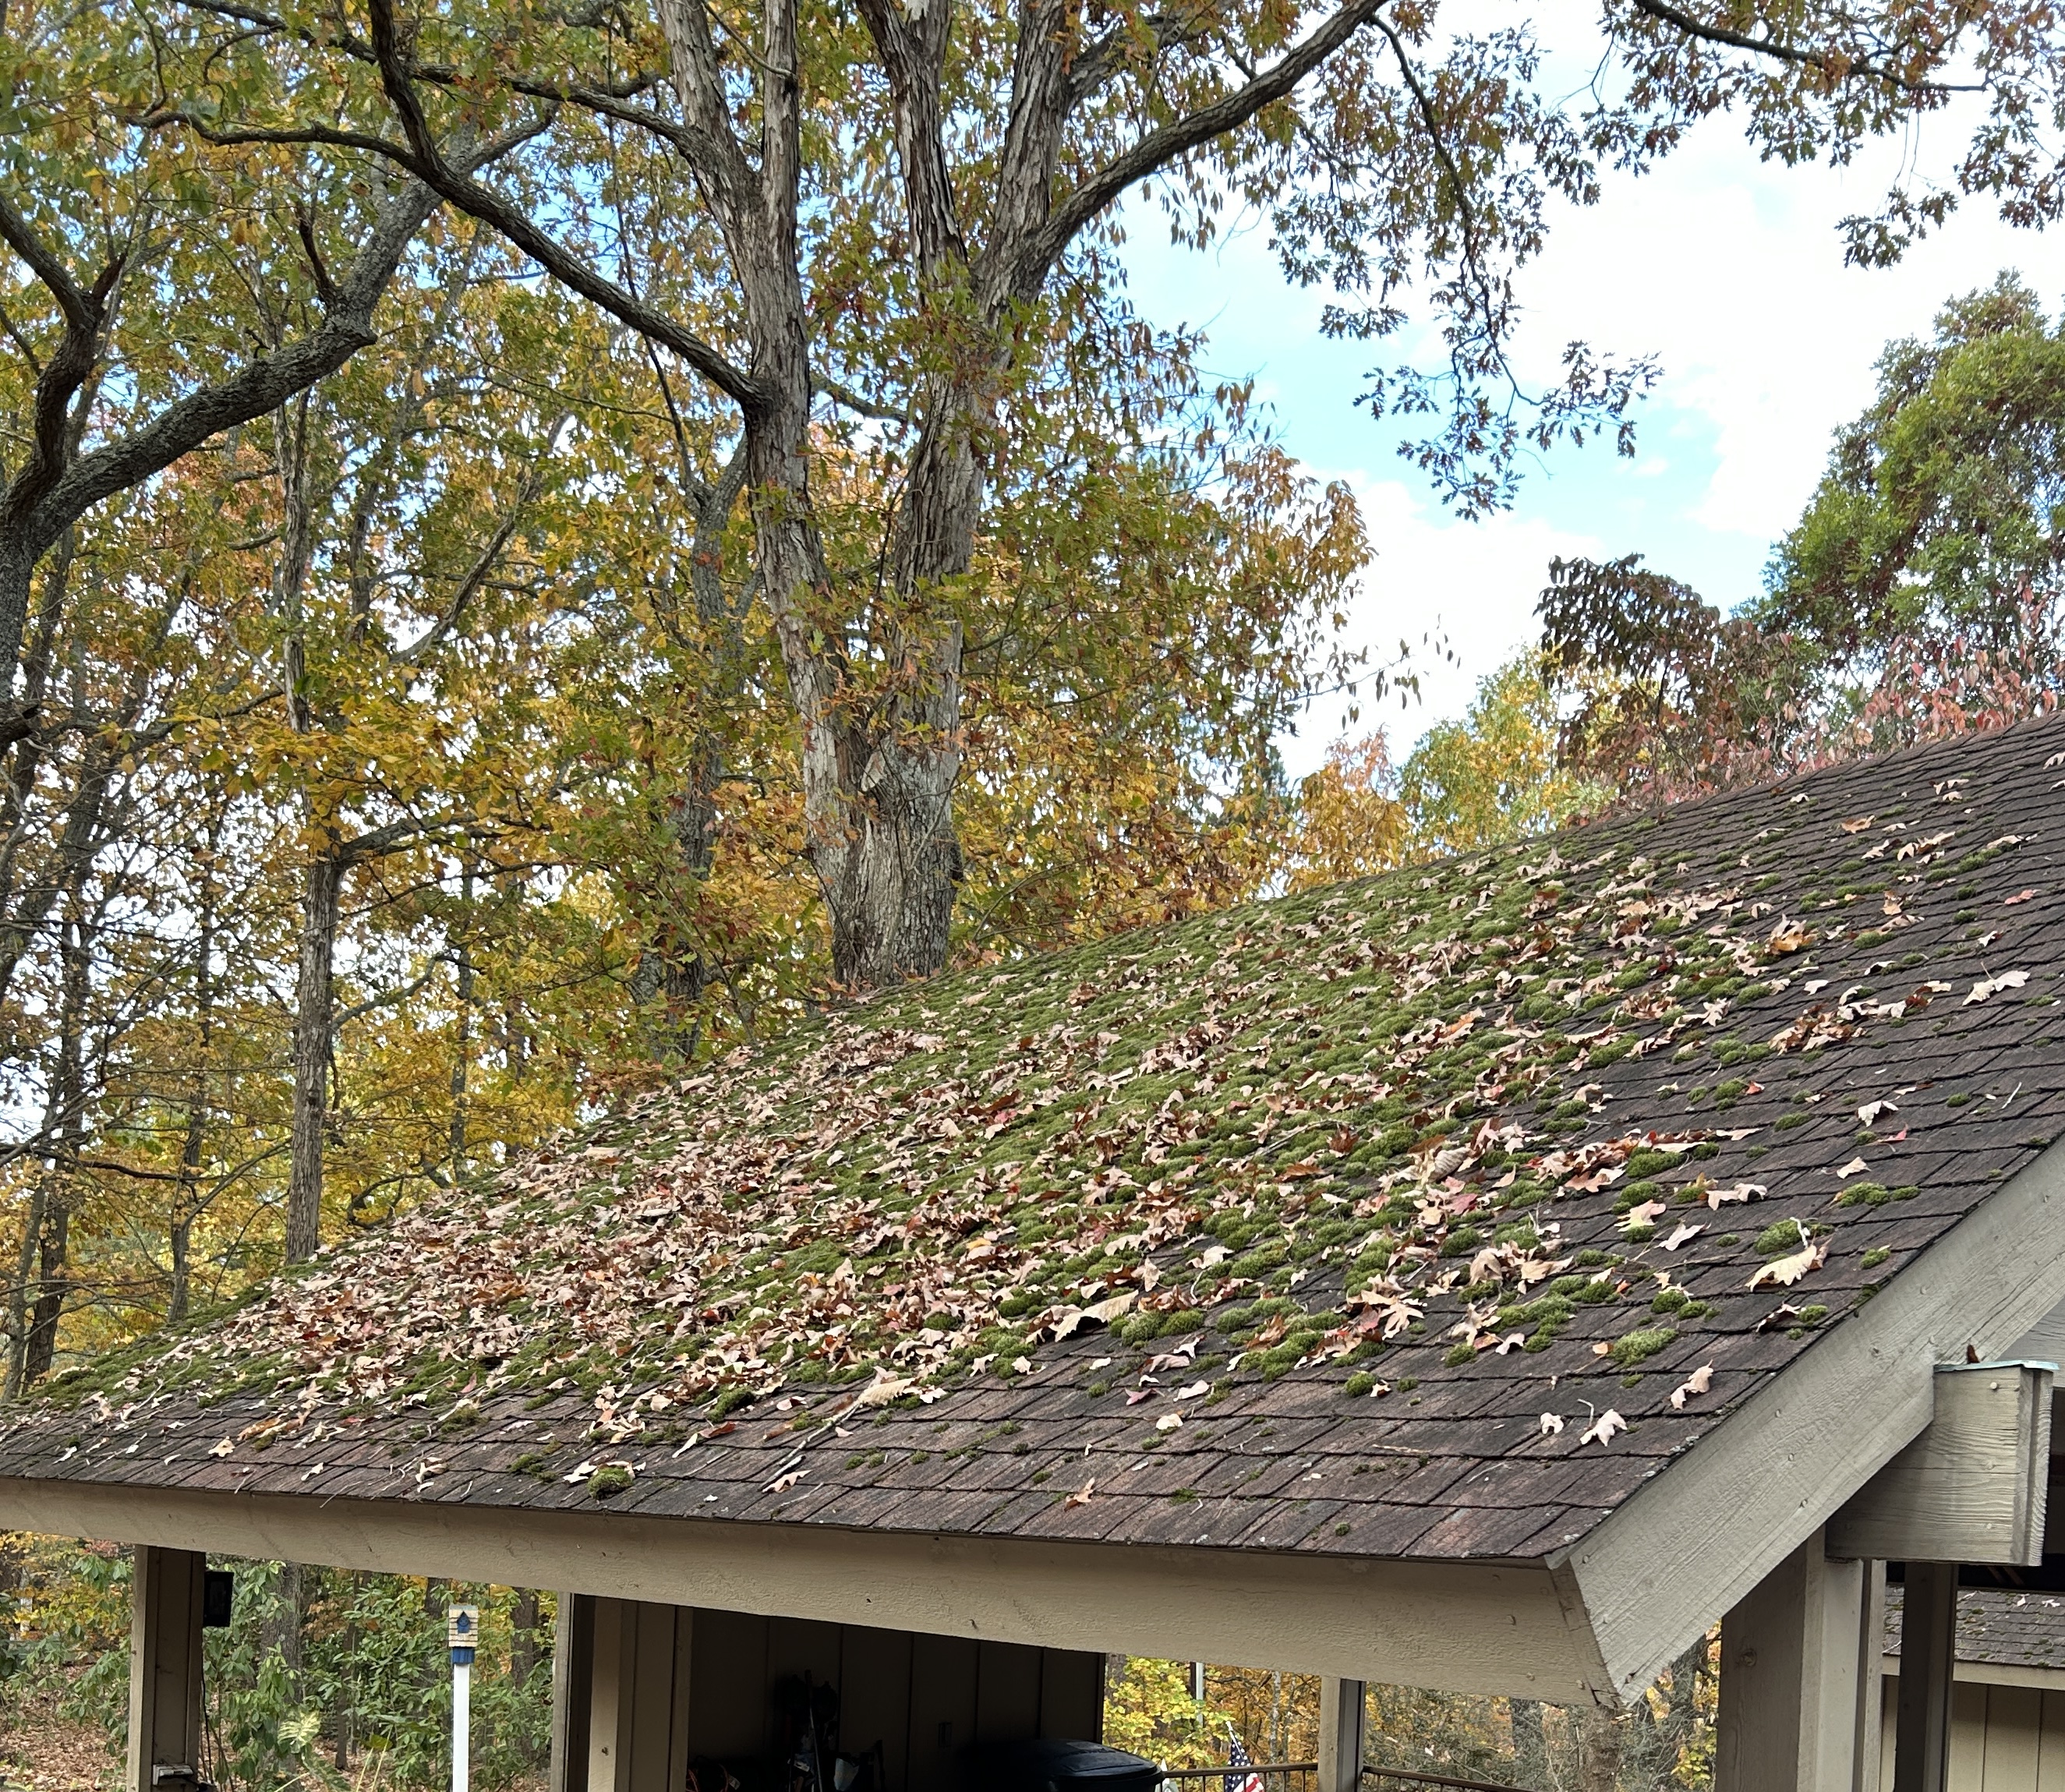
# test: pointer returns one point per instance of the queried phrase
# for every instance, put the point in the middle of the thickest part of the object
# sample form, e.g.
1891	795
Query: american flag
1240	1775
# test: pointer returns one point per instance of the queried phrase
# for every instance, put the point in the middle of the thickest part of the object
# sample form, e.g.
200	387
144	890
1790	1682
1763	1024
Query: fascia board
1688	1544
1461	1627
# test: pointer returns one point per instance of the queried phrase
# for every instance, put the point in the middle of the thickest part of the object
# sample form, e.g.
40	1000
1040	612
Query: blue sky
1728	269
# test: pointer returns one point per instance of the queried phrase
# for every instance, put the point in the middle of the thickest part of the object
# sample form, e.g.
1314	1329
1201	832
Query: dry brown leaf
1603	1428
1696	1383
1783	1272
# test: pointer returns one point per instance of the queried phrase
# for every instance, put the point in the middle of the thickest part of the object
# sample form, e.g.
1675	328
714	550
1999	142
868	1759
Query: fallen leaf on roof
1868	1114
1195	1390
2018	897
223	1448
1779	1318
1857	824
1696	1383
1642	1213
1081	1496
883	1390
781	1483
1857	1166
1783	1272
1551	1424
1604	1428
1987	986
1718	1198
1168	1421
1788	936
1682	1235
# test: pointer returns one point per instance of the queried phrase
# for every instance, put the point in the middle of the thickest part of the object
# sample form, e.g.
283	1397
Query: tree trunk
188	1200
66	1121
280	1633
525	1652
1599	1738
463	1032
314	1004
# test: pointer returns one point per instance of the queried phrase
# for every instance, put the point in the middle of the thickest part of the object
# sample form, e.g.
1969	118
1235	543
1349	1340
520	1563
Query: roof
1425	1217
1997	1626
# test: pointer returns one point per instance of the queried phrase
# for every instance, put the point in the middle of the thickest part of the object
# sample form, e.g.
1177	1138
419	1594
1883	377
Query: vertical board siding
943	1672
1006	1692
2002	1738
875	1697
2014	1724
925	1698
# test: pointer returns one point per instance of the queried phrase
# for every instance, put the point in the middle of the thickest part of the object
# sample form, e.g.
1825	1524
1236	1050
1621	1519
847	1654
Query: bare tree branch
428	163
1821	61
1159	148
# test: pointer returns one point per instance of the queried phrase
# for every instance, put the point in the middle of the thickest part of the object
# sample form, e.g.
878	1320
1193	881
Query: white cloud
1471	585
1728	269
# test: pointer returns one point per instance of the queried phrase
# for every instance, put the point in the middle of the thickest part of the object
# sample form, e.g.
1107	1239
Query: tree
112	198
1920	592
893	232
1944	503
1494	775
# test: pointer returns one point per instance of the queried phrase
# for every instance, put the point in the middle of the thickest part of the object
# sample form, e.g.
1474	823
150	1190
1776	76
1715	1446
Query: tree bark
314	1010
192	1146
1600	1737
65	1119
525	1650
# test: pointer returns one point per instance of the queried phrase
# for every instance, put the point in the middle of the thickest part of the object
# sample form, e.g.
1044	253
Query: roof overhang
1464	1626
1597	1620
1683	1549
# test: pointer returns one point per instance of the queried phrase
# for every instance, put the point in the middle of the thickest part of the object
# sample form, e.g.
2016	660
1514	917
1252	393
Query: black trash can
1055	1764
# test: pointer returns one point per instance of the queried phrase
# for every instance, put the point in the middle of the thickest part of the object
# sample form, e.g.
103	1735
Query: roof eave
1491	1627
1683	1549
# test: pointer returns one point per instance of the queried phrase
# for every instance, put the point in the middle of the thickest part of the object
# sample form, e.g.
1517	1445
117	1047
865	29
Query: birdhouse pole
462	1635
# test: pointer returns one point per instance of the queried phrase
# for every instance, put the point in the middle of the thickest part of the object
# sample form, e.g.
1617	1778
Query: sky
1729	270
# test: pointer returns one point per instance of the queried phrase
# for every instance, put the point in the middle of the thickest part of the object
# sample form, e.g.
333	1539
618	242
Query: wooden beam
573	1666
1499	1628
1928	1659
1971	1488
1788	1719
1341	1706
165	1671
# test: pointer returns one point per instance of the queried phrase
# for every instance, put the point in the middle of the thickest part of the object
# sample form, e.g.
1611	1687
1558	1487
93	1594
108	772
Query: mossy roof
1425	1216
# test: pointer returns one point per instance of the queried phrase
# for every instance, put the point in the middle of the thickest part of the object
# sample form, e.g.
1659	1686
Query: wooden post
619	1696
1789	1654
1928	1661
1341	1703
573	1660
165	1670
1870	1741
